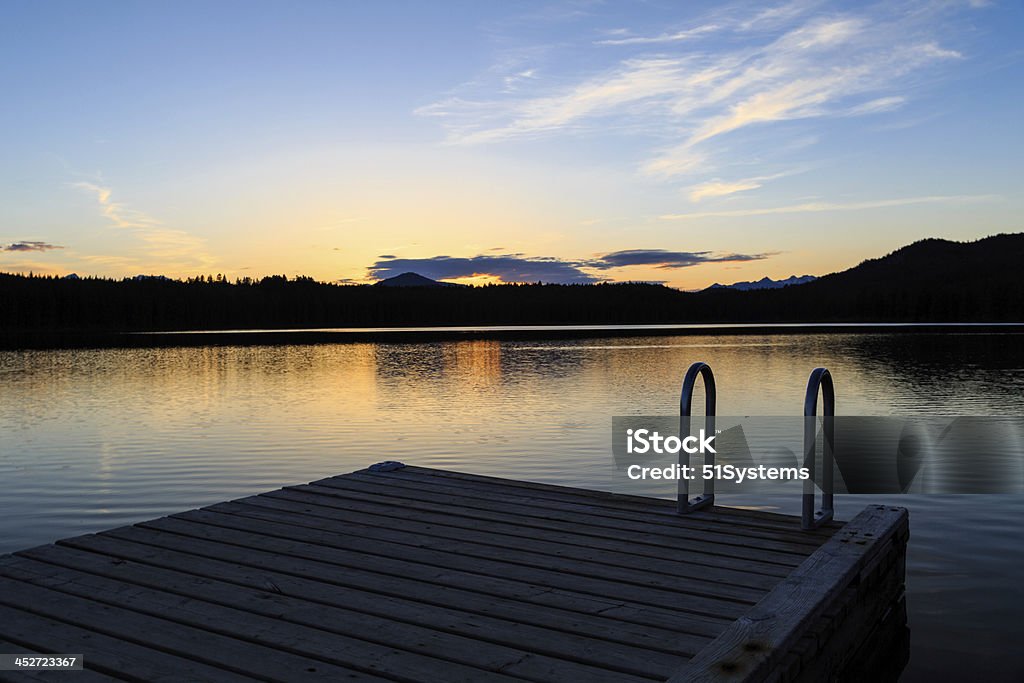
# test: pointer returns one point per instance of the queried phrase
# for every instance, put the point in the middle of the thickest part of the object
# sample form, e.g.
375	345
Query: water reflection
98	438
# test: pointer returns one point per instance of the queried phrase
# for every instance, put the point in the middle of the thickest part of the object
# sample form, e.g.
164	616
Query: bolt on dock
404	573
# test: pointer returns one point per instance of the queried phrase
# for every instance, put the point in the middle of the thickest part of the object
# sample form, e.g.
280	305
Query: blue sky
572	141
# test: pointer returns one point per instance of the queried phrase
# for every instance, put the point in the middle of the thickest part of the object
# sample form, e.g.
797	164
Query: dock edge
810	626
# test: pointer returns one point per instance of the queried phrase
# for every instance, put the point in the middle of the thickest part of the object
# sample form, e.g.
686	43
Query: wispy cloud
719	188
773	17
514	80
799	77
166	248
786	63
37	267
634	81
522	268
118	214
877	106
815	207
30	246
675	37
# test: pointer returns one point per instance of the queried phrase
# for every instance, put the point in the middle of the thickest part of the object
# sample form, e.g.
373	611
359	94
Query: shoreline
79	339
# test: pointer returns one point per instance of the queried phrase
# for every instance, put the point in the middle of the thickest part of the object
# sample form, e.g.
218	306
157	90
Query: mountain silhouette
766	283
932	280
413	280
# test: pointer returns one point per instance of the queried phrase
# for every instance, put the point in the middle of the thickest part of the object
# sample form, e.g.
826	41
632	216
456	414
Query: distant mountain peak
413	280
766	283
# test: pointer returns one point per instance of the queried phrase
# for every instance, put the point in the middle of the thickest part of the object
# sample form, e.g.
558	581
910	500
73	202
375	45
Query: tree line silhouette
929	281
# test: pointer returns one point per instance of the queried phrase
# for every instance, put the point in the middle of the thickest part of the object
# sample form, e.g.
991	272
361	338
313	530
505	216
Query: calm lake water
93	439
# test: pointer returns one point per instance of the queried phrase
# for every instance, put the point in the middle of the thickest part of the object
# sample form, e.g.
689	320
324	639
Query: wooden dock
415	574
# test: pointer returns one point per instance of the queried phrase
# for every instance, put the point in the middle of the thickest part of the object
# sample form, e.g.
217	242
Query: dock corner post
386	466
685	504
821	379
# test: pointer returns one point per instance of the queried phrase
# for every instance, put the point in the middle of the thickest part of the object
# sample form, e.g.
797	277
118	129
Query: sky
578	141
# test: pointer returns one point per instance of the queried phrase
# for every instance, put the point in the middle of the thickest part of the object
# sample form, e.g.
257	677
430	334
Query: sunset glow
503	142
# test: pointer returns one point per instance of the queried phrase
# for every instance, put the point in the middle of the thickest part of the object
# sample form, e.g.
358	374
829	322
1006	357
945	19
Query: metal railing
821	379
685	504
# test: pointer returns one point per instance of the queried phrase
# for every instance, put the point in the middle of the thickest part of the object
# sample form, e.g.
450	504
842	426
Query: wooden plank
700	544
333	565
656	514
758	641
213	636
84	675
107	654
674	534
716	513
726	601
539	654
758	519
249	643
314	544
726	581
643	544
616	553
659	516
836	645
342	502
708	518
883	654
359	588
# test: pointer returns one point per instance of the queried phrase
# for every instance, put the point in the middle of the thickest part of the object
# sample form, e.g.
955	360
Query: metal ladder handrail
684	504
821	379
